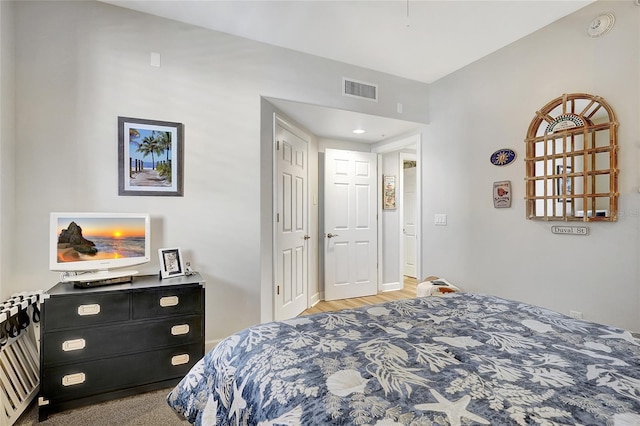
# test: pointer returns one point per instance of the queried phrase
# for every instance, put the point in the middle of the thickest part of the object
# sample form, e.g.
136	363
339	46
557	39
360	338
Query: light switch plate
440	219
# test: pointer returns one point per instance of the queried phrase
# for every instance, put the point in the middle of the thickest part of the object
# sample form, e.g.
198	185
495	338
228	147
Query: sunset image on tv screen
100	238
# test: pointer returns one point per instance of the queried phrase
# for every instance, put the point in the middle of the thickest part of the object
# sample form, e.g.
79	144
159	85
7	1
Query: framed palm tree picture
150	157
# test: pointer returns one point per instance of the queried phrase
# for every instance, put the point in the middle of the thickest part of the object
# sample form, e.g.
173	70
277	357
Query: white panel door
350	241
409	222
291	224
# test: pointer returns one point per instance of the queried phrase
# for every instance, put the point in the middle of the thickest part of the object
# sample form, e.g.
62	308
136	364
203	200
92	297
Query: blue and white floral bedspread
459	359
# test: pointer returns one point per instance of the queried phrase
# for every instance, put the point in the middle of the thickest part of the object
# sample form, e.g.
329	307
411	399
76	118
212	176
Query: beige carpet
147	409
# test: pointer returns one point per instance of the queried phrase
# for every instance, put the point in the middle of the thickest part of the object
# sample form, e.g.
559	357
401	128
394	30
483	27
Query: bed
460	359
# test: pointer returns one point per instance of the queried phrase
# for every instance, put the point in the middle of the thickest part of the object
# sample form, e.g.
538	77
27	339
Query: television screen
88	242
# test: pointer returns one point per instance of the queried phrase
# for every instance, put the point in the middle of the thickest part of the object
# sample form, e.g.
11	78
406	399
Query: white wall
487	106
80	65
326	143
7	143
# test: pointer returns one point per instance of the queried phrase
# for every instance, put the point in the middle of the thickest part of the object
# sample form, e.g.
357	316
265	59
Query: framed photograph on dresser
171	264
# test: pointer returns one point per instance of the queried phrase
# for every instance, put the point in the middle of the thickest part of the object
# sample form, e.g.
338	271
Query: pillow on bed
437	286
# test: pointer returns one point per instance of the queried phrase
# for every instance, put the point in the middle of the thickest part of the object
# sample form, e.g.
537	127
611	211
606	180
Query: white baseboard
391	287
314	299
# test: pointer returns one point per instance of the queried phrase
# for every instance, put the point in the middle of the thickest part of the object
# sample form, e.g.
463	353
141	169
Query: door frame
411	141
401	210
279	120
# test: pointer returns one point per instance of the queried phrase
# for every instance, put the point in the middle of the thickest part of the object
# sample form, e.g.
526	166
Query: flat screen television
96	246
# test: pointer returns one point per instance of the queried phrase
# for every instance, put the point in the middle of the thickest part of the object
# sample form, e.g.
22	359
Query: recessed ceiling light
358	131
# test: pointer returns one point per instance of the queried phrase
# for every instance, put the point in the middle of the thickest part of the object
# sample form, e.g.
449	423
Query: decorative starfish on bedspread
454	410
238	403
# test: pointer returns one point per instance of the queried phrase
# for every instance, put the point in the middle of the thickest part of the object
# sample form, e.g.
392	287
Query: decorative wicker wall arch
571	161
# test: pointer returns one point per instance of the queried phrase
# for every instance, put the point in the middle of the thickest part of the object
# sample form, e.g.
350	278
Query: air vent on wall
359	89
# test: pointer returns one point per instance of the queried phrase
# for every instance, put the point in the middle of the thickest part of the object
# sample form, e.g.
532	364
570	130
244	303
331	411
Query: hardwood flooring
408	292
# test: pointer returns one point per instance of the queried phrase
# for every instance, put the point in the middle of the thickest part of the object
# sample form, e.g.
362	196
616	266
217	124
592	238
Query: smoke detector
601	25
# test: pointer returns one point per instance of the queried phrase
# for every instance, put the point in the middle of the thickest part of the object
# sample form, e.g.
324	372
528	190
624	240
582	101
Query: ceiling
421	40
339	124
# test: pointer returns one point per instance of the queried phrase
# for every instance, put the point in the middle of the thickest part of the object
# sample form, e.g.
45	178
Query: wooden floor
408	292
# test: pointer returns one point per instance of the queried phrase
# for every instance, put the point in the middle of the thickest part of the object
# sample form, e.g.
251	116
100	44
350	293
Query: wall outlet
155	60
575	314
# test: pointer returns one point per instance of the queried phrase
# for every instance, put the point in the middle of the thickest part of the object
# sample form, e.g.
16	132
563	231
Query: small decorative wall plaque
570	230
502	157
502	194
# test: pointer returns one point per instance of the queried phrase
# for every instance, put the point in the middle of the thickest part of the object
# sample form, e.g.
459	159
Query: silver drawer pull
180	359
178	330
73	345
167	301
73	379
93	309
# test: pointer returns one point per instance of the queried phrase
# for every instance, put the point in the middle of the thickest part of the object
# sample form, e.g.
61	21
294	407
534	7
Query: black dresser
108	342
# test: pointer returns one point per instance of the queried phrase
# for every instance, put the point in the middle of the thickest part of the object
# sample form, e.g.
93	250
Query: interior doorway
315	256
396	246
409	215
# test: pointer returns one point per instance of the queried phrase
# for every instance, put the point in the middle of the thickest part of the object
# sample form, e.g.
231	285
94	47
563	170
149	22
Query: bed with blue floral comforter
462	359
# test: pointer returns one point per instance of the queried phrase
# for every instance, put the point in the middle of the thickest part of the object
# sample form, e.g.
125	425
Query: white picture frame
171	263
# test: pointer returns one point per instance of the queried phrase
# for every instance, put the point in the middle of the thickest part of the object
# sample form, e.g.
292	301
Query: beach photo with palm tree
150	153
150	157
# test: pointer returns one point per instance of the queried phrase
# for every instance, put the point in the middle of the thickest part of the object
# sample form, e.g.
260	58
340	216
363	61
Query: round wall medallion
502	157
601	25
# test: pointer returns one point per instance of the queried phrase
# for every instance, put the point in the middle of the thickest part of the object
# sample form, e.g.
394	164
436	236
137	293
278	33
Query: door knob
330	235
306	237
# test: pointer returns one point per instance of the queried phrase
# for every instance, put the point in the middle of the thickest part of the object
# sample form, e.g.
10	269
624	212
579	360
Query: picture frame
388	192
502	194
563	187
171	263
150	157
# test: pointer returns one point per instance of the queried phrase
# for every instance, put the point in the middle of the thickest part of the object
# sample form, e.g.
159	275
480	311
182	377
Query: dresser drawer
85	310
98	342
167	302
89	378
